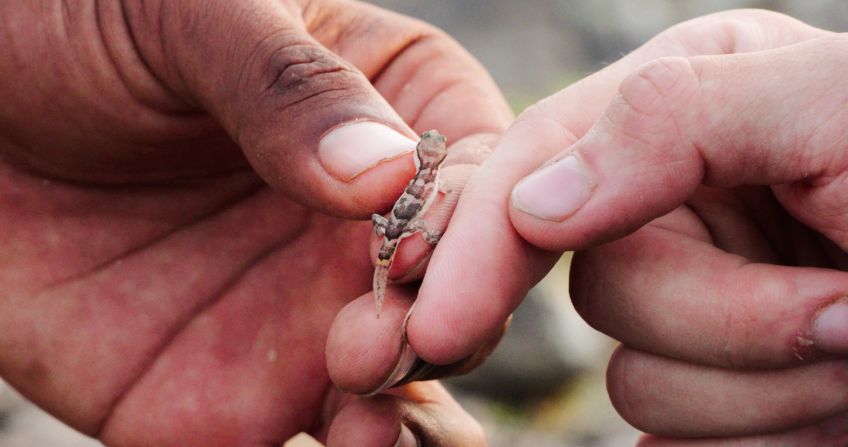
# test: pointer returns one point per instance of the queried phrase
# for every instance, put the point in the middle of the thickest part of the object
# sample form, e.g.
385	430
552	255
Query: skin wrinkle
617	389
794	238
199	311
672	113
171	65
381	70
153	241
437	93
104	53
427	42
66	18
325	92
124	75
704	235
221	210
546	111
396	34
326	28
296	63
282	86
826	159
443	91
133	41
148	18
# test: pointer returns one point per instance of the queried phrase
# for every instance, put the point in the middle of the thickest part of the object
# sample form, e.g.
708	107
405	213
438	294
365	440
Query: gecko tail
381	277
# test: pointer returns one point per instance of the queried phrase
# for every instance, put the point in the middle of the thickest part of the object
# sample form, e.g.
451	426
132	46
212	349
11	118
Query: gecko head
432	148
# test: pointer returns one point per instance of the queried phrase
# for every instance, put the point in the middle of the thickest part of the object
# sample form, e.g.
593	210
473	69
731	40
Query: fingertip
463	305
362	350
647	440
369	422
628	389
542	202
630	167
406	438
458	307
597	191
480	271
422	413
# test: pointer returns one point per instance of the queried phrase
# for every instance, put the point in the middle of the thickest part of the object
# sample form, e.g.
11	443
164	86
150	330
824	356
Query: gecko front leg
388	249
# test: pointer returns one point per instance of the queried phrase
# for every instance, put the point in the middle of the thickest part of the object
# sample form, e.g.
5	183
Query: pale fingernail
351	149
555	191
830	328
406	438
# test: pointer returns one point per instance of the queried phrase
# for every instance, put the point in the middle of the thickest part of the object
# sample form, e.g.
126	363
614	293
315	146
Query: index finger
483	268
428	78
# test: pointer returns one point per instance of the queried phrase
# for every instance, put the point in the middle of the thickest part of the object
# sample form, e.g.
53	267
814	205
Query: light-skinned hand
719	148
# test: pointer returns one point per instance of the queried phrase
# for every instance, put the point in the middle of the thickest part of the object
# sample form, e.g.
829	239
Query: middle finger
668	290
678	399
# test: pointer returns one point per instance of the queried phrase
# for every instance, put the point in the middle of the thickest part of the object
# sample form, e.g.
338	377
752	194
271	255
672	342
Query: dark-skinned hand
182	214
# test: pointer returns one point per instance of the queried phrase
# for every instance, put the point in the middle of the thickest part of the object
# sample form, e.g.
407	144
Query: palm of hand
172	312
169	297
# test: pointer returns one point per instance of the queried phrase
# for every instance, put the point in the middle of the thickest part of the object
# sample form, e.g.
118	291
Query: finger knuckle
743	321
726	32
287	68
659	86
292	66
654	104
626	385
300	71
733	335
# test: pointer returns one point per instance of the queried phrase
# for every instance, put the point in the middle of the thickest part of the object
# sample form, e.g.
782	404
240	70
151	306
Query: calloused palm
154	289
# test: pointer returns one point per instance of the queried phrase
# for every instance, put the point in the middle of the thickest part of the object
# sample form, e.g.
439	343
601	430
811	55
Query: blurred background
544	386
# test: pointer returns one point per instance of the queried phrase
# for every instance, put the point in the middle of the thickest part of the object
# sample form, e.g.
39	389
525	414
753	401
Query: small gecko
405	218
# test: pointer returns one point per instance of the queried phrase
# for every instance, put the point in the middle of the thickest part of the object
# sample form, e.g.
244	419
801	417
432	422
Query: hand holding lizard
184	185
719	148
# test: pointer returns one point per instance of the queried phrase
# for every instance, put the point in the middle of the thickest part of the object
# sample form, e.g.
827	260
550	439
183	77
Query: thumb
766	118
309	122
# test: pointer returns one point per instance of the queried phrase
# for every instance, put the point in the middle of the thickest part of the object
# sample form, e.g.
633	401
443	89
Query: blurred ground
544	386
535	47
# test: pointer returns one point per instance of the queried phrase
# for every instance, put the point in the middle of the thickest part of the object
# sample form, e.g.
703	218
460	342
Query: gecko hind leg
431	237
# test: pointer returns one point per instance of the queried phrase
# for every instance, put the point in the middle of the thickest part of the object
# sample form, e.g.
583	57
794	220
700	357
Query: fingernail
407	360
351	149
407	438
830	328
555	191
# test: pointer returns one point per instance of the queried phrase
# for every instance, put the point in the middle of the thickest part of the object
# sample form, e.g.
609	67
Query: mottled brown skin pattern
405	217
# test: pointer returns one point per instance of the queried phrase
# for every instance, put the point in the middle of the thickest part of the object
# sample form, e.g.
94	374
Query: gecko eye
432	134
